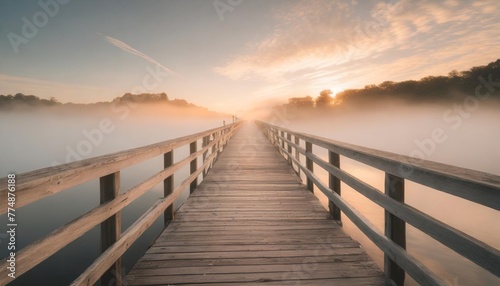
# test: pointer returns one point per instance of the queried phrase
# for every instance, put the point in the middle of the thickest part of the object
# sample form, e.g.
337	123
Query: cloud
125	47
11	84
321	38
10	79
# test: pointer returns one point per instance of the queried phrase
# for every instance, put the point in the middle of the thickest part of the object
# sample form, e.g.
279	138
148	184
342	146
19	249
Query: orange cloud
320	39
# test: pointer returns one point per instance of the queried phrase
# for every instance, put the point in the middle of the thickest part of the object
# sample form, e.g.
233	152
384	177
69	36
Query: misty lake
35	140
470	142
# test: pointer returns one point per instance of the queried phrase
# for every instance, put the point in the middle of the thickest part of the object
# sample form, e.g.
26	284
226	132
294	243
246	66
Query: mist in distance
35	137
452	119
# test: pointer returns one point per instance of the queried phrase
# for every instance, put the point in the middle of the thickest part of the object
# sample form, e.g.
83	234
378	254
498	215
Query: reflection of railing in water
36	185
474	186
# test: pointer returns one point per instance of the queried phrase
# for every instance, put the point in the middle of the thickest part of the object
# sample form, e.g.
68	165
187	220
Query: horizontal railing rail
38	184
478	187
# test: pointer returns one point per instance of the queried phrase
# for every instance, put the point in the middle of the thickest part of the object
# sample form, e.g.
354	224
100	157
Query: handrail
35	185
479	187
475	186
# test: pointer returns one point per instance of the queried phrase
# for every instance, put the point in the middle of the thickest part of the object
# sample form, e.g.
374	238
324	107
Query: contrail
123	46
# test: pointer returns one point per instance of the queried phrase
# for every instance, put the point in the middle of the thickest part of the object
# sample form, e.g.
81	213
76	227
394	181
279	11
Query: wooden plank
256	222
253	247
242	239
251	261
250	221
353	270
252	254
243	228
237	269
363	281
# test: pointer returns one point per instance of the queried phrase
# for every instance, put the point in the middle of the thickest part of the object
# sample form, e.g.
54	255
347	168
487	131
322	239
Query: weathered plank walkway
252	221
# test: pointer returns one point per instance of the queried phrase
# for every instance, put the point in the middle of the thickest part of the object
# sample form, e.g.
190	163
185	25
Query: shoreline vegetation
435	90
480	81
157	102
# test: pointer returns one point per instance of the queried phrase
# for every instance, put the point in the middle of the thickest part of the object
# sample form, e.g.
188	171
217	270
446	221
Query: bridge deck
252	221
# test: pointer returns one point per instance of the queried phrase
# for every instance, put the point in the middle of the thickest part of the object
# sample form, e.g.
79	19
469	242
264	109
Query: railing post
222	140
214	148
334	184
282	141
111	228
193	165
309	166
204	144
275	137
297	153
289	149
395	228
168	187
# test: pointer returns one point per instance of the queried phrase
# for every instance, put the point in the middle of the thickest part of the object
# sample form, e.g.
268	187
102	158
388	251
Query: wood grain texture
35	185
472	185
473	249
252	221
111	228
111	204
113	253
394	228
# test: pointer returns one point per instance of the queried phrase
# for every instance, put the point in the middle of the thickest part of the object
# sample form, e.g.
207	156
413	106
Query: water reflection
384	132
34	147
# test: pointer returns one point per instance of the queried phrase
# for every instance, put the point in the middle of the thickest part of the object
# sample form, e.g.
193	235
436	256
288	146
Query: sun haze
230	55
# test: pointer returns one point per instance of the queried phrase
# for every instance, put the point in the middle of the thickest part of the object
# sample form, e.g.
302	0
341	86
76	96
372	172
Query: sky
229	55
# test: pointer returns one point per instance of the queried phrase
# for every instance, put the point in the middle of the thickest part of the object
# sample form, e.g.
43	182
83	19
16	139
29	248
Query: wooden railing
474	186
36	185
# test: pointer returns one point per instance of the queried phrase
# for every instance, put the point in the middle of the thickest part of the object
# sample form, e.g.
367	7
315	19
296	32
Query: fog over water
38	138
454	135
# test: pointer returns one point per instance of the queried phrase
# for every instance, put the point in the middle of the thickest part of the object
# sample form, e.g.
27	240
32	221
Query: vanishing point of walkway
252	221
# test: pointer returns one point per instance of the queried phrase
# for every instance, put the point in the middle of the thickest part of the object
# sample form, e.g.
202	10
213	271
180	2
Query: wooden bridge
251	220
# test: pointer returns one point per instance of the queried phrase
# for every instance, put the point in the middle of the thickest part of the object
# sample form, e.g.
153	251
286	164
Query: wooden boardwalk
252	221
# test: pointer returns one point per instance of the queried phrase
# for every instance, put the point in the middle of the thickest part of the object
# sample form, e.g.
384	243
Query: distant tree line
142	98
29	100
9	101
428	89
324	100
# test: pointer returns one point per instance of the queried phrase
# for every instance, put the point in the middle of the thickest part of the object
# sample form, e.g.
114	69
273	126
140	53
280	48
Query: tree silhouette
301	102
324	100
455	86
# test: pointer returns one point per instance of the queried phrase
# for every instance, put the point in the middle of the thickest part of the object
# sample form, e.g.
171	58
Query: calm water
32	141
